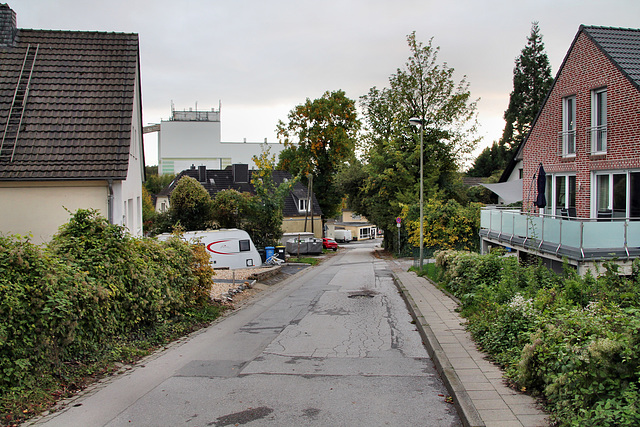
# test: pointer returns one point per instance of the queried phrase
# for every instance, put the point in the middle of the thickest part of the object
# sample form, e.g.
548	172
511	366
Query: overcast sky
261	58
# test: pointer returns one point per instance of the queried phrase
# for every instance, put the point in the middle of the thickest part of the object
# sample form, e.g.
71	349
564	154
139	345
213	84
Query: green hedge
574	342
92	287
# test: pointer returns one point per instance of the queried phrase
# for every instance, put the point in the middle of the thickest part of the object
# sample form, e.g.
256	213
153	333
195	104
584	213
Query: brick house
70	128
586	137
296	210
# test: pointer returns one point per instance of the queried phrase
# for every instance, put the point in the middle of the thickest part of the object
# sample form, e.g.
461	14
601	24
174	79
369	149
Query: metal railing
597	139
567	143
576	238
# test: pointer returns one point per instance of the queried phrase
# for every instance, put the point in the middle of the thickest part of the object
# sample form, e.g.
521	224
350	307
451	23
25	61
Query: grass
428	269
305	260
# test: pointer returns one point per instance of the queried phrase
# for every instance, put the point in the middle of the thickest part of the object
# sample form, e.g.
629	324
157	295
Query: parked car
343	236
329	244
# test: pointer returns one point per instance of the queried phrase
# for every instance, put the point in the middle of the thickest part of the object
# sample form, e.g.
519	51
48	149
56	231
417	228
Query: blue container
270	250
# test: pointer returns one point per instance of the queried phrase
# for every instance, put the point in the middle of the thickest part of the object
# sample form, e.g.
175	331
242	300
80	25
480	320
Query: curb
465	407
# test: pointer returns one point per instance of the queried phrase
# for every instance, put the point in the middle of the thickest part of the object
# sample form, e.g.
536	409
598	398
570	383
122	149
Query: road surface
333	346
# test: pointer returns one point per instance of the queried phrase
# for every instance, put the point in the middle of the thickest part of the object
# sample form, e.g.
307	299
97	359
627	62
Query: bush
94	288
573	341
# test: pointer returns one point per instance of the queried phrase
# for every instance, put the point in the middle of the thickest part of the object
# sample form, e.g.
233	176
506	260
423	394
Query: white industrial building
193	138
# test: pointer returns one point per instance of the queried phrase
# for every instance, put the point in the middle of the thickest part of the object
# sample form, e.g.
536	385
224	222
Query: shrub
575	341
91	287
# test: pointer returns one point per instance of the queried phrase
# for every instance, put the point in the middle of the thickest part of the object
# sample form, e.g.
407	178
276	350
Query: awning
510	191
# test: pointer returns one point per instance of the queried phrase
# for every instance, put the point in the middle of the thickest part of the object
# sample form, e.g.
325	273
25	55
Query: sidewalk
476	385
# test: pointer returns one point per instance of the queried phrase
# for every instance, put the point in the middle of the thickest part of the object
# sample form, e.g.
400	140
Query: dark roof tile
218	180
622	46
78	118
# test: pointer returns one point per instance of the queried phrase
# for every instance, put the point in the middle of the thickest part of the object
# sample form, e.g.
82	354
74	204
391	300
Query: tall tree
265	224
531	82
426	89
320	136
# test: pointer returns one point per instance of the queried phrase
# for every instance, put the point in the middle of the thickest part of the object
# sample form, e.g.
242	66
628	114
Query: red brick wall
585	69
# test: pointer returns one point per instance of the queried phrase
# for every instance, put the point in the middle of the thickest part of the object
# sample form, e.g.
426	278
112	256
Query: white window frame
303	205
553	208
365	233
598	130
568	134
611	195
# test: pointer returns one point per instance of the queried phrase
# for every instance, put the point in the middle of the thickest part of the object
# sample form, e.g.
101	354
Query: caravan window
244	245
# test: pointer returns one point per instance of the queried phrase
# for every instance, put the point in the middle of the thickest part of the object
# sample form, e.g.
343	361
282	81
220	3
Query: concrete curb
465	407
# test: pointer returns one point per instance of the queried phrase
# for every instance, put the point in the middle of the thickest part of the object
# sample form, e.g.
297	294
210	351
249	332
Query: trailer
227	248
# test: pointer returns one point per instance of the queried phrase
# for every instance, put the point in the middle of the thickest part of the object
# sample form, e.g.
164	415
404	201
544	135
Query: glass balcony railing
575	238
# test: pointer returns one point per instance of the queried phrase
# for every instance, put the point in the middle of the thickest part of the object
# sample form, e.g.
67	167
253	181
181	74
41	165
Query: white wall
127	200
38	208
185	143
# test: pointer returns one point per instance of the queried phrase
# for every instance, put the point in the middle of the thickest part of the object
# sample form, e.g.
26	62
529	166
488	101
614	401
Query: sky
258	59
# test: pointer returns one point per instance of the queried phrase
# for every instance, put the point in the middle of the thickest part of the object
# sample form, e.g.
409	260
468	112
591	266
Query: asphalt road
332	346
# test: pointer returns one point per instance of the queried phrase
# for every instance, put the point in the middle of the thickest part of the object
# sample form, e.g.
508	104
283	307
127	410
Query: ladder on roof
18	104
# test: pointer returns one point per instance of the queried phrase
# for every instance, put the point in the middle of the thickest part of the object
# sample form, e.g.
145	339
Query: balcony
579	240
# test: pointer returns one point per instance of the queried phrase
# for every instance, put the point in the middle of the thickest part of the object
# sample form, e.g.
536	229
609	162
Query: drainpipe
110	202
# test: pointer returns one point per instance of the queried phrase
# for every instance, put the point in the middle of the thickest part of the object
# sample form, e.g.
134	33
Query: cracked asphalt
333	345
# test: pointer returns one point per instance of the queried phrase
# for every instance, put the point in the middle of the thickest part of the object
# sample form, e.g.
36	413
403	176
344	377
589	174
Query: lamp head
415	121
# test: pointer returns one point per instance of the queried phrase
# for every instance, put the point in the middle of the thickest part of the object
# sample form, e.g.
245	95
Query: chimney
8	28
202	174
240	173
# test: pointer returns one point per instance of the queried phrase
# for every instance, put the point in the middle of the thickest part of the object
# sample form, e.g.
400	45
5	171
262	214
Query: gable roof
620	45
78	115
218	180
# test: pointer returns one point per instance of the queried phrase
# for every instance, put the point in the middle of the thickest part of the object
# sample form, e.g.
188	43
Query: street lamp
415	121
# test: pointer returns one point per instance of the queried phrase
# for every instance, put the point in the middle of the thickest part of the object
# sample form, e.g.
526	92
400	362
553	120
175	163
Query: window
303	205
568	134
617	195
244	245
598	130
364	233
561	195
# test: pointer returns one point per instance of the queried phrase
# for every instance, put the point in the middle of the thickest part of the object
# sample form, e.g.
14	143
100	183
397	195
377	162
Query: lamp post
415	121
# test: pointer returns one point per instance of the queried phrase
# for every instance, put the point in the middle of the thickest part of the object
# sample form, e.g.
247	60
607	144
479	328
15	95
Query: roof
78	115
620	45
218	180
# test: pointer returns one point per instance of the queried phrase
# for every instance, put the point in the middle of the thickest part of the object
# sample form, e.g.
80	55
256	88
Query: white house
70	128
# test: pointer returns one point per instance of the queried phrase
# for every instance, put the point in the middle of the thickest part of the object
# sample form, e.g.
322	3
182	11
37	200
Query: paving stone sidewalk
476	385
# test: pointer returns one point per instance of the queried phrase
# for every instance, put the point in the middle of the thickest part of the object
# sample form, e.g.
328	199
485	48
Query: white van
228	248
342	236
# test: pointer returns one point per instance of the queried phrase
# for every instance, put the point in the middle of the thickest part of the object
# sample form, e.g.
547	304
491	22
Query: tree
191	206
155	183
231	208
320	136
531	82
148	211
491	159
427	90
265	223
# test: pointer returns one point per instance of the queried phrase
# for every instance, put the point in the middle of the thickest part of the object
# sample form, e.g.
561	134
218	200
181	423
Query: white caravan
228	248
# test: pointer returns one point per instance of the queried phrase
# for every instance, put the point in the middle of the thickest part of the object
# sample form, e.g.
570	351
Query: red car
329	244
